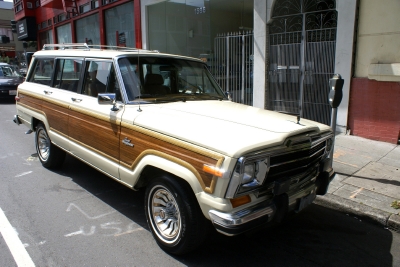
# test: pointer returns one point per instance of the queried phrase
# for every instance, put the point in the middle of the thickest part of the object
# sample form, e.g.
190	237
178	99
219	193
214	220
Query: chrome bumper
237	222
267	211
16	120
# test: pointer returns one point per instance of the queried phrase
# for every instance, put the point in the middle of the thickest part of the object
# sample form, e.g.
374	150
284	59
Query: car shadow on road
317	237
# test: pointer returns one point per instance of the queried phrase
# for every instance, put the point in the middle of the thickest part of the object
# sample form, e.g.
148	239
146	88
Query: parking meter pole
333	126
335	97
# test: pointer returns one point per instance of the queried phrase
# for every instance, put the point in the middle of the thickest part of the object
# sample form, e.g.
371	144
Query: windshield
8	71
163	79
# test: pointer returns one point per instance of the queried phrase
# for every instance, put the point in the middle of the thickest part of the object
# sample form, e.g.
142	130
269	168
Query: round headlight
248	174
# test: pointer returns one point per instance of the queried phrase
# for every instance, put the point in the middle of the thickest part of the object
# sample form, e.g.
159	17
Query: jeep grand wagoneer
161	123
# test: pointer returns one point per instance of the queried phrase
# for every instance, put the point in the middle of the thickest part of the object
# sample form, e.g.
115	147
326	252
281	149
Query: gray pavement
367	180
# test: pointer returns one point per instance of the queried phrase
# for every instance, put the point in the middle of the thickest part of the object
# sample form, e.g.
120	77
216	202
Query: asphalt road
76	216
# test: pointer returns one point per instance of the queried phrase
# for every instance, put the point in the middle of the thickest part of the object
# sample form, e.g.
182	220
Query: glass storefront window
46	37
88	30
180	27
189	27
120	19
64	34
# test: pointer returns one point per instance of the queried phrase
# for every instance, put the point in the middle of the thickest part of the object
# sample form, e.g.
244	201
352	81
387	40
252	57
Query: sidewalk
367	180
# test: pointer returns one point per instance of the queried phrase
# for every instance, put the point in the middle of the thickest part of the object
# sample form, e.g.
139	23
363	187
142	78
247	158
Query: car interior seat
154	85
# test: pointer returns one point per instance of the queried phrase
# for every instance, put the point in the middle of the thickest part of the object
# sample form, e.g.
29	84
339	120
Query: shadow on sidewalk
380	180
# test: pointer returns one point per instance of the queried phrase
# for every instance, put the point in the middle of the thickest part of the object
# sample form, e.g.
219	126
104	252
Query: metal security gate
232	65
302	40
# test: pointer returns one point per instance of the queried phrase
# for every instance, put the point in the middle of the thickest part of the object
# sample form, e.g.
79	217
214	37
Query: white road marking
22	174
130	231
82	232
15	245
86	215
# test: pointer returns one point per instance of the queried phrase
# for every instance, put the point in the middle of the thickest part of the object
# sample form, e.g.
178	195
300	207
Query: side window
67	74
43	71
97	74
113	86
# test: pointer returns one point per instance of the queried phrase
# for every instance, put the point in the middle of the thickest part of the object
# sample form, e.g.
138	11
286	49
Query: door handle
76	99
47	92
127	142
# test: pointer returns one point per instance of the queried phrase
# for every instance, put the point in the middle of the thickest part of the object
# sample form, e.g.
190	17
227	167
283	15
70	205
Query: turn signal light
236	202
213	170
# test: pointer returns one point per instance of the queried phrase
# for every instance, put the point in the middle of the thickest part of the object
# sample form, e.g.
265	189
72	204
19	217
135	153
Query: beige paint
378	36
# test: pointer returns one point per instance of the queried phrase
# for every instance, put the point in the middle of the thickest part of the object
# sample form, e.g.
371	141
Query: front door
94	129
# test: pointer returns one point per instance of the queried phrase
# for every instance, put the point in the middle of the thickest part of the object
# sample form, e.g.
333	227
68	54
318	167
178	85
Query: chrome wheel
49	155
165	215
43	145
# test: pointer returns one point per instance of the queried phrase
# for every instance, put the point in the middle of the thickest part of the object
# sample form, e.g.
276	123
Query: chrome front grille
296	161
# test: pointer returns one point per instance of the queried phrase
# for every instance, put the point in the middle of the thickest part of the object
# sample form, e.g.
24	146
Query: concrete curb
386	219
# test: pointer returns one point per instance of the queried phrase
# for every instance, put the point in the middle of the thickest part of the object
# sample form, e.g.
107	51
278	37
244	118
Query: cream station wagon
161	123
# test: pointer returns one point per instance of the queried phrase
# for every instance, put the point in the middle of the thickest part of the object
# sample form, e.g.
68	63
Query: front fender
171	165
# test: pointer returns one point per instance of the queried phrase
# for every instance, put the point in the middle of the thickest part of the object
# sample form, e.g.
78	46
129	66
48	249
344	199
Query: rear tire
50	156
174	216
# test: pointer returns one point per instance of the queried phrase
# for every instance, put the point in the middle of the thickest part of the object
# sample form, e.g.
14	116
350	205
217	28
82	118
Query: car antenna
140	84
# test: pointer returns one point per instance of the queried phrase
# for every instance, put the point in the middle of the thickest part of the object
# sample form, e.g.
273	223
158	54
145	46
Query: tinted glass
159	79
68	73
43	71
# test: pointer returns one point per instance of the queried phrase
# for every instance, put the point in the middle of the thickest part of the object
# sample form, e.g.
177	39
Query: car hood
11	81
228	128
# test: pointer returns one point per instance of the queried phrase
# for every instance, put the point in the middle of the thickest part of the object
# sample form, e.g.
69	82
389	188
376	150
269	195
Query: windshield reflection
165	79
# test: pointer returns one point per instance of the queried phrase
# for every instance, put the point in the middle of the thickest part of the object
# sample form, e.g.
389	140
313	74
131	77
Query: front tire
50	156
174	216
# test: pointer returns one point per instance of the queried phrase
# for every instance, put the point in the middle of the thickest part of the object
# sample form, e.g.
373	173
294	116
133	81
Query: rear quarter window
43	71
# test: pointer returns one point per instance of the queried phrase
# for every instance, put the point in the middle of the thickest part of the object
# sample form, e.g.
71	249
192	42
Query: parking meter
335	97
336	93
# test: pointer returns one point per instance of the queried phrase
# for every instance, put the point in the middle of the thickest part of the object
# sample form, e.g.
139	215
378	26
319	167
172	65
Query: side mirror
108	99
336	93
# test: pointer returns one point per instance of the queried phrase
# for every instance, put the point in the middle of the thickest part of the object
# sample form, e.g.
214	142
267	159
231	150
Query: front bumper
270	210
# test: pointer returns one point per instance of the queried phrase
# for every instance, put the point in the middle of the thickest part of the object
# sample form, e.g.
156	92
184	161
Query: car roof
100	51
4	64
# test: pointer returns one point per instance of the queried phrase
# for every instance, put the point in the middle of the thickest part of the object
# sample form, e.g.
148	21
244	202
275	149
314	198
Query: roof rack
63	46
87	47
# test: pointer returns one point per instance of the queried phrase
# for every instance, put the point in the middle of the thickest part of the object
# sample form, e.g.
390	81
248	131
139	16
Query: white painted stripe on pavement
15	245
22	174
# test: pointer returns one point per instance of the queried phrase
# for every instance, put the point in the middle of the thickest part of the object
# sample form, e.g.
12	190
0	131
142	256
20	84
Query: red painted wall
374	111
52	8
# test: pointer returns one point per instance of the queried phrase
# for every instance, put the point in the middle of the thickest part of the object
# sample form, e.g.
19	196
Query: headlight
249	173
329	143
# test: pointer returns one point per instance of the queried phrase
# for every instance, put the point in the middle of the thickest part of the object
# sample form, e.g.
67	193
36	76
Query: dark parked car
10	78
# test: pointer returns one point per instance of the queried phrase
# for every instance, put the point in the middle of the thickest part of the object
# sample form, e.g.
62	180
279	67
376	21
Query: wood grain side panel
95	133
30	101
146	144
57	116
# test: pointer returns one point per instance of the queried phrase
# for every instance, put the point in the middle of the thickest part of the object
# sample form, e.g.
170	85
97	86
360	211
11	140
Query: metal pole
227	63
333	126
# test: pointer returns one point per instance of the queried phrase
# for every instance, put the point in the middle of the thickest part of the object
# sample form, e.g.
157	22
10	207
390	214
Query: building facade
95	22
272	54
7	14
374	110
